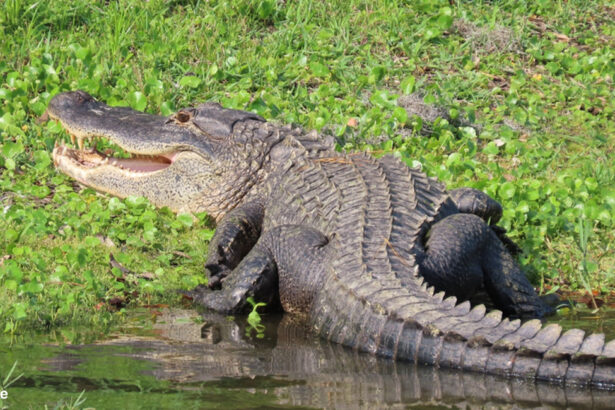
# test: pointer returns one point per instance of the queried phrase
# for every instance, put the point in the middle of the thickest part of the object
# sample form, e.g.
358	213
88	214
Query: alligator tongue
94	158
140	164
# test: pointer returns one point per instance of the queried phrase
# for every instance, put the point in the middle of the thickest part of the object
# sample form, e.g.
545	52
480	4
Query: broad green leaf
213	70
11	149
186	219
190	81
491	149
115	204
167	108
42	159
400	114
137	100
319	69
407	85
266	8
376	74
9	164
19	311
445	21
431	33
470	132
381	98
507	190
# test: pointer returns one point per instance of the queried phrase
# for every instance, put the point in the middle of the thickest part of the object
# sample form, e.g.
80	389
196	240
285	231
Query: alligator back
371	297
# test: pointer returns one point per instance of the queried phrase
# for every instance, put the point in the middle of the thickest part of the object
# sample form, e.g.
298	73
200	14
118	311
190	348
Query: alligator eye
183	116
83	97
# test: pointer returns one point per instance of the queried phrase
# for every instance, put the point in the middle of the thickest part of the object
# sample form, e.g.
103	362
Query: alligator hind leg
463	254
290	252
473	201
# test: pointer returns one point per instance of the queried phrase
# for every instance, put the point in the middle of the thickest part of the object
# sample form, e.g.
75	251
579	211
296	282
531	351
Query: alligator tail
436	331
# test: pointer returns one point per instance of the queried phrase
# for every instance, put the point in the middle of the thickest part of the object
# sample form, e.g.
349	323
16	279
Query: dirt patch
487	40
415	105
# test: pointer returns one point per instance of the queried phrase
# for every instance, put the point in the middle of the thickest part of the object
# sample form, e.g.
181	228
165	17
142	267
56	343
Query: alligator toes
216	301
214	283
212	299
556	302
532	310
194	293
216	274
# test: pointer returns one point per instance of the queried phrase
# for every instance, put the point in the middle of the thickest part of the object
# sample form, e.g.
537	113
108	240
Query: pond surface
177	359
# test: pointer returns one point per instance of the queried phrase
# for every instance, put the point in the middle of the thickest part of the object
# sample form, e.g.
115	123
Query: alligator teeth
80	143
72	139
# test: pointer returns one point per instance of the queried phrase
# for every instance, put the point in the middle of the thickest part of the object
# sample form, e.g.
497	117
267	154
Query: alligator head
192	161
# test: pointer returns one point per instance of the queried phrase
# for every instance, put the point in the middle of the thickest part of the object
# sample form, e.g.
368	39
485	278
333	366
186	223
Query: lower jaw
80	161
67	166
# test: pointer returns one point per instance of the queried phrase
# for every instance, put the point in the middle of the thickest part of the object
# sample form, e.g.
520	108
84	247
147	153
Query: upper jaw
82	124
152	142
86	119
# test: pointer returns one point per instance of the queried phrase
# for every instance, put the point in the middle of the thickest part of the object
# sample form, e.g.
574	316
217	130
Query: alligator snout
68	100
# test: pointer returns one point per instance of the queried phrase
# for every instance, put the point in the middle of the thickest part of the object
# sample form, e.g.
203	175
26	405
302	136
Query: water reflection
301	370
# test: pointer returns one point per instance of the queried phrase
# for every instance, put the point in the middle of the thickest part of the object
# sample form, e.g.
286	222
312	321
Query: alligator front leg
256	276
285	265
235	235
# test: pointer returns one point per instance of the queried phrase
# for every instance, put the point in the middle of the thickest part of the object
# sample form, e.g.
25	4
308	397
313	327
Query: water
176	359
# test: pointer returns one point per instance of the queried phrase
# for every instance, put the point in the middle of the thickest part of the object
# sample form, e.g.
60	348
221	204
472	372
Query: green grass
524	88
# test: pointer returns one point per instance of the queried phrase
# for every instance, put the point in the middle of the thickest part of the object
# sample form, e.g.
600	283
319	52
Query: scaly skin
345	240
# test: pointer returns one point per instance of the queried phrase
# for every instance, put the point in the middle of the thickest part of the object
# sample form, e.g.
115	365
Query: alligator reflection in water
301	370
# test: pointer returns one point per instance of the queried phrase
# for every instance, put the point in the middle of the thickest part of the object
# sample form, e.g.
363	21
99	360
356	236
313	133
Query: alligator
374	255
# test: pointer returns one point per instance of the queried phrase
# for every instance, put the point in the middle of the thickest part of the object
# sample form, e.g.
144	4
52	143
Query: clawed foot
196	293
217	274
215	300
536	310
556	302
213	296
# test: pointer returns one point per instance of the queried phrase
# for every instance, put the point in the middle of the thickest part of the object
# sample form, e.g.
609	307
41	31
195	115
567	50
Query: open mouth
87	158
92	158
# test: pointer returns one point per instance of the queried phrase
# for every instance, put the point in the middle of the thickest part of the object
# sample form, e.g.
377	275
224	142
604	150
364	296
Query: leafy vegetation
523	92
254	319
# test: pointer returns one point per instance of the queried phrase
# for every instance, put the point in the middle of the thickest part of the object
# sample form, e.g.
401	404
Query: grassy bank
512	97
